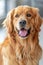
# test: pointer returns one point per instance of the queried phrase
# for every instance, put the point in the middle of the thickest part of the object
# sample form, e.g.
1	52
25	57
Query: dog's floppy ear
8	22
38	19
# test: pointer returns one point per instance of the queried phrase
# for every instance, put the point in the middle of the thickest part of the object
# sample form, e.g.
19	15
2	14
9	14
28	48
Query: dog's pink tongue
22	32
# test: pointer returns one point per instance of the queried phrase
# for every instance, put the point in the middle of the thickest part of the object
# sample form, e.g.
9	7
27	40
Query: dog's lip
24	32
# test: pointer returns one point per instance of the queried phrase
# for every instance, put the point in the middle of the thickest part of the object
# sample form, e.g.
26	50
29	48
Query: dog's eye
16	15
28	15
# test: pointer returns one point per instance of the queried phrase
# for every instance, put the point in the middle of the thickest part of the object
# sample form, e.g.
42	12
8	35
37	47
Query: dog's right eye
28	15
16	15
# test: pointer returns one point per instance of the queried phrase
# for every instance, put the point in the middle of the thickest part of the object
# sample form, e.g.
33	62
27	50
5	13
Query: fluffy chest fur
20	54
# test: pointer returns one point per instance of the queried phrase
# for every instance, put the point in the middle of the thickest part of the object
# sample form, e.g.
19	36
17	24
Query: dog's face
24	20
22	17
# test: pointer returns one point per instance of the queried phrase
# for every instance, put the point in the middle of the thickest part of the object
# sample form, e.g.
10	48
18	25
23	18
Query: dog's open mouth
24	32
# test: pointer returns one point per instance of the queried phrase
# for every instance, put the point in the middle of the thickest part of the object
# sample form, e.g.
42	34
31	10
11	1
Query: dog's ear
8	22
38	19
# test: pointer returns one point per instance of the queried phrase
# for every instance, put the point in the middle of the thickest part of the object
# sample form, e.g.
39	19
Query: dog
21	46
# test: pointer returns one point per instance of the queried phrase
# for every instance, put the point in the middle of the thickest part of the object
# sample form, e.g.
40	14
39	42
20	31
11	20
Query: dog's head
24	21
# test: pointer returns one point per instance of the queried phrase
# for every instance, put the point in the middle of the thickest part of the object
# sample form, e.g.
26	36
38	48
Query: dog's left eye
17	15
28	15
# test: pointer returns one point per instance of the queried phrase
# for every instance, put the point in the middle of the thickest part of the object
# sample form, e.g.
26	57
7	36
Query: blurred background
7	5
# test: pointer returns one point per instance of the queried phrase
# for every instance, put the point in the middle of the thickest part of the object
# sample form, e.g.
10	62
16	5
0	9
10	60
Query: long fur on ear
38	22
8	22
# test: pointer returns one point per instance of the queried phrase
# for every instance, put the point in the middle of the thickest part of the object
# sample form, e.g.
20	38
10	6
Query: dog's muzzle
23	32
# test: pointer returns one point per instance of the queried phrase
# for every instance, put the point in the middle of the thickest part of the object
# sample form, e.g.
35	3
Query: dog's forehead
23	9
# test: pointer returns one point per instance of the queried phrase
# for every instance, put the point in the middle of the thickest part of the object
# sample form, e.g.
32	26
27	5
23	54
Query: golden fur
16	50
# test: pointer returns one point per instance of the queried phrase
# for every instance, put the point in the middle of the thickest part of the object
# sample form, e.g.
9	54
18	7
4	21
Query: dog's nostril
23	22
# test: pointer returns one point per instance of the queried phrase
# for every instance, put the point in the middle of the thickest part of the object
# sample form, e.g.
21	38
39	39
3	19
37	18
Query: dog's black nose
22	23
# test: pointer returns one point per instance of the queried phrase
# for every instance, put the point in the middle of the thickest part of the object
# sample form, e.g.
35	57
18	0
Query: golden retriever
21	46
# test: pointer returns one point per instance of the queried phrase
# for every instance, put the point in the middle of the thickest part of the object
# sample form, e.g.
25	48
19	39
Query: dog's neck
23	41
27	45
32	42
